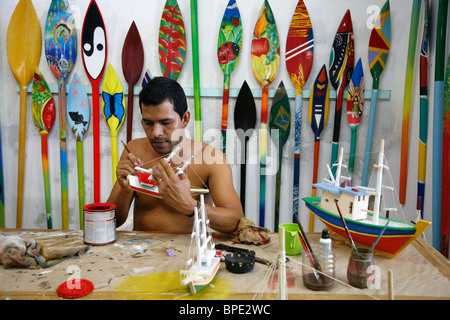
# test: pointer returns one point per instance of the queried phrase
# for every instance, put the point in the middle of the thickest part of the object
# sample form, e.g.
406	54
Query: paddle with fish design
23	46
299	60
94	53
379	44
43	111
132	64
60	40
265	59
228	52
318	114
280	126
78	116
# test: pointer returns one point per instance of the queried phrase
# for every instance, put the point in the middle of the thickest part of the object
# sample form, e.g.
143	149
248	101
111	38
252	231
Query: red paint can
99	223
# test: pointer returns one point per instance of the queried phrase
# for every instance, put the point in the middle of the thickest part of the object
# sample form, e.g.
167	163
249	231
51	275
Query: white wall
118	15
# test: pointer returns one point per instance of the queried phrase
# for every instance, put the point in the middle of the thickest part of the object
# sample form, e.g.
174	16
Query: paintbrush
379	237
345	226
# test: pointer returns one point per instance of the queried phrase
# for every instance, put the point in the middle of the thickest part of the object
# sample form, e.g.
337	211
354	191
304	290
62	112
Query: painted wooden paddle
132	64
355	103
423	122
379	44
318	115
94	53
299	61
172	40
60	40
43	111
228	52
23	46
244	123
280	126
78	116
113	106
415	16
265	59
342	59
438	120
446	165
196	71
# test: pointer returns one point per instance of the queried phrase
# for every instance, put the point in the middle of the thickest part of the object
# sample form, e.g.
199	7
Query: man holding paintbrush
165	116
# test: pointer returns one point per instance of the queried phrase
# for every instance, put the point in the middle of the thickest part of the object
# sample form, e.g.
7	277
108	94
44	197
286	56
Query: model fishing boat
363	221
202	263
144	182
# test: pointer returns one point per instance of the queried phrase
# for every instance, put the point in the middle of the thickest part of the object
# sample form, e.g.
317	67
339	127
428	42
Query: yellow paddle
23	45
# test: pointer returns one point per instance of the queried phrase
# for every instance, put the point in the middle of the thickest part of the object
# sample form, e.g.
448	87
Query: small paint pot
358	264
99	224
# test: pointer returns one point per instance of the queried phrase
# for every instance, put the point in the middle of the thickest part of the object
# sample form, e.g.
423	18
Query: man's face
162	124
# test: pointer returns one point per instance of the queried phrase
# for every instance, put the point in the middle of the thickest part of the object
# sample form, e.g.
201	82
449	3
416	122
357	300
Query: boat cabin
352	202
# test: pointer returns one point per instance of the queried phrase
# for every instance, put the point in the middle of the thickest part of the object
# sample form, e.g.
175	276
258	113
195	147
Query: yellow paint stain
166	286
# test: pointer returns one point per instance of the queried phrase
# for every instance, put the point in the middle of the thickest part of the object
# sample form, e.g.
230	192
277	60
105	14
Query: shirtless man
165	116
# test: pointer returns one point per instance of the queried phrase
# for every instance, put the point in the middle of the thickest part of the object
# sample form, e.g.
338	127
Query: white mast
380	167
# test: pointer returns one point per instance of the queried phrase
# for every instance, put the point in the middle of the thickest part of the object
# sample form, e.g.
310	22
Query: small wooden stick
125	146
390	284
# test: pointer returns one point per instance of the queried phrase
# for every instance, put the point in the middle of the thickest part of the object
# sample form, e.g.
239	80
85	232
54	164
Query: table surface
137	266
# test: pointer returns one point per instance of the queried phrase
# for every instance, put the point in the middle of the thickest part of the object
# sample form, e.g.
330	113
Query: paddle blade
94	43
245	109
379	43
132	56
355	96
42	104
280	116
319	102
60	39
113	100
300	47
342	53
265	47
24	42
172	41
230	38
78	110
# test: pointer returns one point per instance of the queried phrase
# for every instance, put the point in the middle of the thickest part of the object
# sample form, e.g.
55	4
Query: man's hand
174	189
126	167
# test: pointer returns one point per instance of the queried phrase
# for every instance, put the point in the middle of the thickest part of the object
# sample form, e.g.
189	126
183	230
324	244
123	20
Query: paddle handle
48	200
263	154
21	164
80	169
423	137
313	190
337	127
225	101
373	109
297	142
114	156
130	112
278	191
96	138
351	161
243	173
196	70
2	191
63	154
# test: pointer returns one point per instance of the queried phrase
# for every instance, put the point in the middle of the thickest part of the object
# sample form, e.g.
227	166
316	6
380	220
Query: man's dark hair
160	89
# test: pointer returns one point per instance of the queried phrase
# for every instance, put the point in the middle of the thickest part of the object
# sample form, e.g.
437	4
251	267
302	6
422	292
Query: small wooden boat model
364	223
202	263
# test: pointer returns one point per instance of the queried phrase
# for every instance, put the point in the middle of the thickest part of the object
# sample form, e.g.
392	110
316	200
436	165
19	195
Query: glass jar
358	263
314	280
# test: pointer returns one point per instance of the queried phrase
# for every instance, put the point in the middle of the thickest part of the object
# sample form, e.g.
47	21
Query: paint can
99	223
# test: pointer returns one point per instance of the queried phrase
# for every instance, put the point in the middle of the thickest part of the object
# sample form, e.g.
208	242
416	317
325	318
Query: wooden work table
137	266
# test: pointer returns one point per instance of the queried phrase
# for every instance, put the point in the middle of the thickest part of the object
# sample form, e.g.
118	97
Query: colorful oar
446	165
43	111
196	71
280	126
132	64
438	120
415	15
244	123
318	114
113	107
228	52
95	49
265	63
299	60
423	122
379	44
61	52
23	45
342	59
78	114
172	40
355	103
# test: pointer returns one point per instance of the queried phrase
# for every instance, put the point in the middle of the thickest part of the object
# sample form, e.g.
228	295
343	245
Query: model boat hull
198	283
397	236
